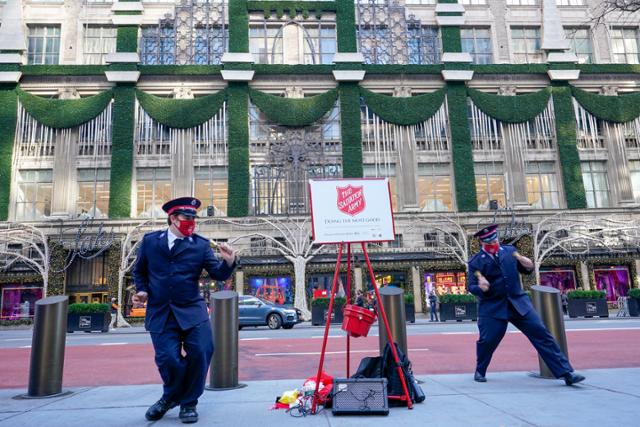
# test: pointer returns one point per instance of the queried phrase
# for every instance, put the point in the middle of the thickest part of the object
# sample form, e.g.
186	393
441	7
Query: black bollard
224	322
547	303
393	303
47	347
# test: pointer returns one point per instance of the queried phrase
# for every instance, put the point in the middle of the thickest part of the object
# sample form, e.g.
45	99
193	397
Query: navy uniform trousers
183	376
492	331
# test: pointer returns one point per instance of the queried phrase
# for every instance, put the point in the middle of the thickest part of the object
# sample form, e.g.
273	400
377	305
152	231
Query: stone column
70	51
417	288
239	282
584	272
182	172
636	283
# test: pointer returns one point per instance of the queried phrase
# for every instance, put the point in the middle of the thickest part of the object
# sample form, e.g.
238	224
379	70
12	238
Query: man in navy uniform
166	274
494	279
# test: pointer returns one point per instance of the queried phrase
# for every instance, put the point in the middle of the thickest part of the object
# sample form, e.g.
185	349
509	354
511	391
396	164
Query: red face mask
491	248
186	226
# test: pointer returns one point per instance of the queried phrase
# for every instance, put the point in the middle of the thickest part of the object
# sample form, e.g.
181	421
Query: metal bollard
47	347
224	321
546	301
393	303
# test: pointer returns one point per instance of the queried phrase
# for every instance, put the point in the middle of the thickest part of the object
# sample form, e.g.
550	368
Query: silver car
254	311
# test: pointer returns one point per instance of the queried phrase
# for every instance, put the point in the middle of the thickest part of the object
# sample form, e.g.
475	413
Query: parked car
254	311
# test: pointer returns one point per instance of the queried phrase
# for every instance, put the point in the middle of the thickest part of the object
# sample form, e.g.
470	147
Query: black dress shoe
479	377
188	415
158	409
571	378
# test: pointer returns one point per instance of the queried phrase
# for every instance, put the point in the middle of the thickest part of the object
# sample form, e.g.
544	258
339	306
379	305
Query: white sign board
351	210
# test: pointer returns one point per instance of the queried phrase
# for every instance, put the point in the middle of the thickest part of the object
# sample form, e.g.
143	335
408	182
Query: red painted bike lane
298	358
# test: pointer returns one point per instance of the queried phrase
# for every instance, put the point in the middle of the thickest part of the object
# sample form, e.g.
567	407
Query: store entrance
89	297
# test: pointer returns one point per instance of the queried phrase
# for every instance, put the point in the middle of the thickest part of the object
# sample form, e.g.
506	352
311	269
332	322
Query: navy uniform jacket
171	280
502	274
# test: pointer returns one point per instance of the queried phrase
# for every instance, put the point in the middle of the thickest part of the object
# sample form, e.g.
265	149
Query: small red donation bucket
357	320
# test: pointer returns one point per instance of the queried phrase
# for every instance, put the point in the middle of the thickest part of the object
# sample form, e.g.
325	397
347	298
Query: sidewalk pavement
609	397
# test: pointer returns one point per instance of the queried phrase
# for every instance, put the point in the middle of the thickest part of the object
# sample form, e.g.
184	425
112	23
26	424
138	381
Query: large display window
387	278
445	282
18	302
561	278
614	280
277	289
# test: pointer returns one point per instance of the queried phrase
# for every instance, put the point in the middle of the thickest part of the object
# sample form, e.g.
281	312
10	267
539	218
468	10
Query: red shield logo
351	199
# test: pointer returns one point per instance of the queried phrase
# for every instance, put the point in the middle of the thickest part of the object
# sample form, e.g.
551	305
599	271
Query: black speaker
210	211
360	396
493	205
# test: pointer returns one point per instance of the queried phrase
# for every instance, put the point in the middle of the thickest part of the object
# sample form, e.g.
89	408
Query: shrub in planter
634	302
320	306
410	308
88	317
458	307
587	304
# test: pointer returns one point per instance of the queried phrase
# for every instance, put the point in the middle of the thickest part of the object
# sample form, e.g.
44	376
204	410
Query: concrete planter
458	311
319	314
410	311
88	322
634	307
588	308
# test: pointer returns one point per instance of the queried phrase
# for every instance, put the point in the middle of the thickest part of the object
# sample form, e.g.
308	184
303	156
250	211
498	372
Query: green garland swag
238	181
294	112
8	119
181	113
567	148
618	109
238	26
64	113
122	124
511	109
461	150
350	130
404	110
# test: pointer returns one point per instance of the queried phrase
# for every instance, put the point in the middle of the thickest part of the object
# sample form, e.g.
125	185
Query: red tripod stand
381	312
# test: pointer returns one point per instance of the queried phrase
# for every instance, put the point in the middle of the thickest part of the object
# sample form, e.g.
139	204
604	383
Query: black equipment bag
360	396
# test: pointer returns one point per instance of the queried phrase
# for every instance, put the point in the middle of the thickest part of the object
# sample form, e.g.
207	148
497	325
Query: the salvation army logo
351	199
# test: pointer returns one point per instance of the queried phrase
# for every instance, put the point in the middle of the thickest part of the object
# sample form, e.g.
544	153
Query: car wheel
274	321
287	326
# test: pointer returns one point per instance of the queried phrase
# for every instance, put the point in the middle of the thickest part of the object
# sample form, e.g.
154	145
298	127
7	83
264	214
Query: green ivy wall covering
122	122
567	149
291	111
238	107
350	130
511	109
238	26
618	109
404	111
346	26
461	149
64	113
181	113
8	118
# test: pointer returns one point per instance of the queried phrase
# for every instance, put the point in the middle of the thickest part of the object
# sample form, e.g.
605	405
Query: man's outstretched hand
483	283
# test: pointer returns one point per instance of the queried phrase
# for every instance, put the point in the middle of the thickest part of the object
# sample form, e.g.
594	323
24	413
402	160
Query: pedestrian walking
166	274
494	279
433	304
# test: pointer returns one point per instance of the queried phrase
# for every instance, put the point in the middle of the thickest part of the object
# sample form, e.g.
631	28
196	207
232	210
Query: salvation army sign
351	210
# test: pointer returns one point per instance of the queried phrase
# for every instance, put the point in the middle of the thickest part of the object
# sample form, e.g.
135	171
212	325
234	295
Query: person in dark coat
166	273
433	303
494	279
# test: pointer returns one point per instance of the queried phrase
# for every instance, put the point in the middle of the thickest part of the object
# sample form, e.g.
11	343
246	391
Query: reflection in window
153	189
384	171
93	193
434	187
477	42
424	44
292	43
526	45
158	46
44	44
490	184
580	40
98	42
210	186
542	185
34	192
596	184
624	43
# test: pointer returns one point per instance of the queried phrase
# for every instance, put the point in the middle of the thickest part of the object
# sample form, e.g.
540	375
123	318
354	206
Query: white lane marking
255	339
17	339
458	333
317	353
330	336
25	346
113	343
603	329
